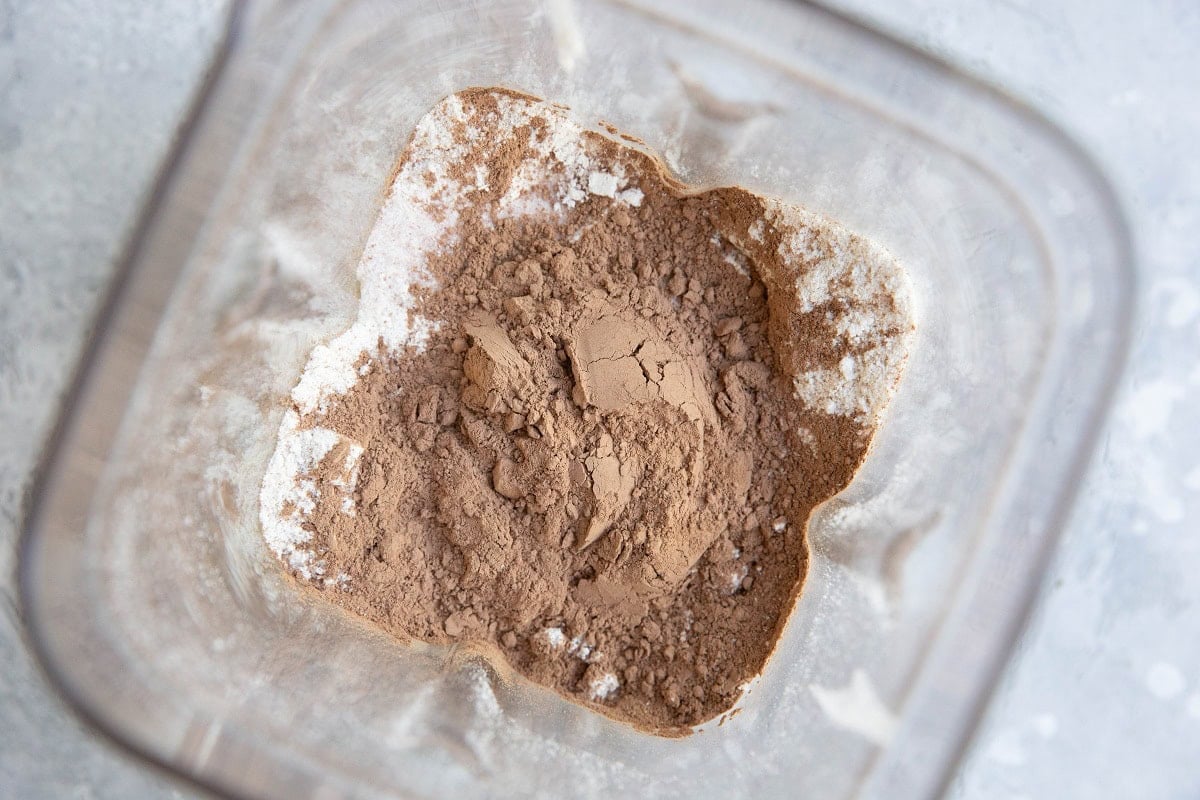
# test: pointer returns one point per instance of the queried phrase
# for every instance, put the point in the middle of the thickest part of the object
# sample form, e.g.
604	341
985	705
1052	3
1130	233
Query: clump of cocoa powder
598	462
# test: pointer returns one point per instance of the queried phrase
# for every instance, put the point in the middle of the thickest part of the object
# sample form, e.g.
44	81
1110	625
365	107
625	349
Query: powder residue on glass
585	412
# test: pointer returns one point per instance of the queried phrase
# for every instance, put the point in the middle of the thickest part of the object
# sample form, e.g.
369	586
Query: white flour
877	291
288	495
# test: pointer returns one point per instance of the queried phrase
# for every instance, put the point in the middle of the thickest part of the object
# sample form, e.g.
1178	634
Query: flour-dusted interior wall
1108	679
1104	698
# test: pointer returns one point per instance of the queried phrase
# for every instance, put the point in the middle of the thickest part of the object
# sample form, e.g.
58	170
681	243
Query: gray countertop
1103	697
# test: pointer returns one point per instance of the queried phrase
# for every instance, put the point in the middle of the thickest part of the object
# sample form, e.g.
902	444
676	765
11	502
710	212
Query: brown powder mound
598	463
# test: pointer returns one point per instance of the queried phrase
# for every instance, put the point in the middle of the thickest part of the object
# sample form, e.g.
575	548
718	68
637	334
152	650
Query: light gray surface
1104	699
88	103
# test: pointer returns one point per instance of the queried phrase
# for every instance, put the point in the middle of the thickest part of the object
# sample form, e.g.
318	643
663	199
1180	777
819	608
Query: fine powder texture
585	414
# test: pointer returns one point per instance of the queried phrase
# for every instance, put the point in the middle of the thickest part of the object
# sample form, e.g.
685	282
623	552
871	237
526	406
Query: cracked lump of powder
584	413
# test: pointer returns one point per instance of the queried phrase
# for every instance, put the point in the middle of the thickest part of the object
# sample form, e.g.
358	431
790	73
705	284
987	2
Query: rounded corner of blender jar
1073	156
1109	248
62	674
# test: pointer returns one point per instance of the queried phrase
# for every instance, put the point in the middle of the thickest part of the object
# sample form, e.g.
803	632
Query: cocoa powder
600	462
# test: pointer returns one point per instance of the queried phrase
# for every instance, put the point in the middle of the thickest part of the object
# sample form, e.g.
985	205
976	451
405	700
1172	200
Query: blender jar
158	611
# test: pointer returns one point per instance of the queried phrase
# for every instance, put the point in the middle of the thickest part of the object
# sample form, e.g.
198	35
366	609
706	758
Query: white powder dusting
860	387
580	649
757	231
341	581
603	686
568	40
555	637
289	495
603	184
876	324
611	185
857	707
738	261
731	255
633	196
736	576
